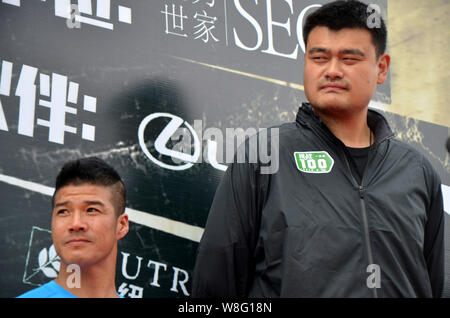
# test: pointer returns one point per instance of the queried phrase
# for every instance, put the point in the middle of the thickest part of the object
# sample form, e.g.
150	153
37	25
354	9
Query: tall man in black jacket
351	211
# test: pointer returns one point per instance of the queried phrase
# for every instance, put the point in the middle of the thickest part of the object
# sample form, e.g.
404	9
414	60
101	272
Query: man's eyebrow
343	51
318	50
94	202
89	202
352	52
61	204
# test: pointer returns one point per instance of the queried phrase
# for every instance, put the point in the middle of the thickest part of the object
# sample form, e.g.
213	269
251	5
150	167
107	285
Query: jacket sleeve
224	265
434	252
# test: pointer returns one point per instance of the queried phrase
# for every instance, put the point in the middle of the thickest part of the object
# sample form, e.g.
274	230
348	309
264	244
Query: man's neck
352	130
93	282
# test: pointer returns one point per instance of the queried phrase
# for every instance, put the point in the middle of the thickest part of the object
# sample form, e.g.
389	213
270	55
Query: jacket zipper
364	213
361	195
366	232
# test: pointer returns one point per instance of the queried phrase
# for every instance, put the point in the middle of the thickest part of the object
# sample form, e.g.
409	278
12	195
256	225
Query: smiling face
342	70
85	227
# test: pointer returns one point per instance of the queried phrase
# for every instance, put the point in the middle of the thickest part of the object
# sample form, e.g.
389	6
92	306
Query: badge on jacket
314	161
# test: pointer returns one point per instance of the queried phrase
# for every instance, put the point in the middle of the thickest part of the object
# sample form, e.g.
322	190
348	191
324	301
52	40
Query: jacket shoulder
286	131
418	157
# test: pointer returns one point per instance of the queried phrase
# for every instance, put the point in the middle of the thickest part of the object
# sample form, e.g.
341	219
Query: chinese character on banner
83	12
205	27
175	24
209	3
58	89
60	94
130	290
5	88
12	2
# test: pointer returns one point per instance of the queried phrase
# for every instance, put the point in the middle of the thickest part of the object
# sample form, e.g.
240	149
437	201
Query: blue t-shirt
49	290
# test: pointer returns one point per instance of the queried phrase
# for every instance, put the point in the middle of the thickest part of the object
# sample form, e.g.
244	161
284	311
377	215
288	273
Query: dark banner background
218	62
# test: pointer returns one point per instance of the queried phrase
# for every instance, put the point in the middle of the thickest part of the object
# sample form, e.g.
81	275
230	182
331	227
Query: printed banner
164	91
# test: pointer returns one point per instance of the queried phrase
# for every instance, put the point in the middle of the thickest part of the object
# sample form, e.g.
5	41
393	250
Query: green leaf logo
314	161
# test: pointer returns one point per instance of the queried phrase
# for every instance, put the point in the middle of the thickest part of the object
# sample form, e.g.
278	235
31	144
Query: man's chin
80	259
331	107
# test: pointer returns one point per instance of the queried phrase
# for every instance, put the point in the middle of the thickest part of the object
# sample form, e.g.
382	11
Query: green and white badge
314	161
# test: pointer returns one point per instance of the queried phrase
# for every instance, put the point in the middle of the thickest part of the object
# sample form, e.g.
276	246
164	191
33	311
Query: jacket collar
376	121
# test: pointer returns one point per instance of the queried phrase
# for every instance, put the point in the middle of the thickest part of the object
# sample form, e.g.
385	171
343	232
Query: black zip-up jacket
296	233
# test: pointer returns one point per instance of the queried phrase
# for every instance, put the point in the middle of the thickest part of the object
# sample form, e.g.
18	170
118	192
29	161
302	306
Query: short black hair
352	14
92	170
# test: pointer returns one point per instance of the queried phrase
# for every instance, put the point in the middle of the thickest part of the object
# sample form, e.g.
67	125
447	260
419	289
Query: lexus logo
162	139
189	150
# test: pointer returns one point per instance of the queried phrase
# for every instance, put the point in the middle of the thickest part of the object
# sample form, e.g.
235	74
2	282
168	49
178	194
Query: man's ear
122	225
383	68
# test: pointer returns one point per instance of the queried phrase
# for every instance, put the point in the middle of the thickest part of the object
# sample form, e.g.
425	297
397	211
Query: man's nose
78	223
334	70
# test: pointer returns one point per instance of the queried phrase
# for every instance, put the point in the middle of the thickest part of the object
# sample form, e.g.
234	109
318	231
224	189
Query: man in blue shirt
87	221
